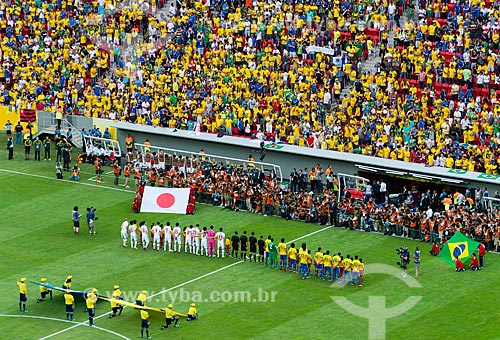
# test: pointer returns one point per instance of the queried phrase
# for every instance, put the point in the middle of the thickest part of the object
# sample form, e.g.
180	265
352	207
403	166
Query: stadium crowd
312	196
251	70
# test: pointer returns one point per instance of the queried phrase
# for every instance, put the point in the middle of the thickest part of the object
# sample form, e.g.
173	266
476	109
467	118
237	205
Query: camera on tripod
404	255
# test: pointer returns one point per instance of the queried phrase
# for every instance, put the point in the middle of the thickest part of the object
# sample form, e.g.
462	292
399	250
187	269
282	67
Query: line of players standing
202	241
193	239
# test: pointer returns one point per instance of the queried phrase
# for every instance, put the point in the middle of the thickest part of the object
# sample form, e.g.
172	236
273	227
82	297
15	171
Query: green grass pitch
37	241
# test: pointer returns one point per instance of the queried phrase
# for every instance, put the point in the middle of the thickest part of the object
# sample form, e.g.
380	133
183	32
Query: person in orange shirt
269	204
152	177
117	170
98	170
441	229
147	145
126	173
129	143
161	179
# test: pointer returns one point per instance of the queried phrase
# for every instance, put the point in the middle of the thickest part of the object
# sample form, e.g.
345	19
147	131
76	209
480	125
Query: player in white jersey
156	230
204	242
220	237
124	232
133	234
177	238
188	241
144	235
195	240
167	237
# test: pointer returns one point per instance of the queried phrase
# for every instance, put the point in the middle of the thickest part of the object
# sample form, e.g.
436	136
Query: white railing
351	182
77	135
490	203
113	145
245	162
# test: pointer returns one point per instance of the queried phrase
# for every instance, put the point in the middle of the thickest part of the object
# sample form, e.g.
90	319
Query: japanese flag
165	200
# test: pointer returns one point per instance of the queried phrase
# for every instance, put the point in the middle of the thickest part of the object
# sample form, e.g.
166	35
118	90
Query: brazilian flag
288	94
460	246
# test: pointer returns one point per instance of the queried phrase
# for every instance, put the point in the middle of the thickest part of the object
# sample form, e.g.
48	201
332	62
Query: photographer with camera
435	249
91	218
404	254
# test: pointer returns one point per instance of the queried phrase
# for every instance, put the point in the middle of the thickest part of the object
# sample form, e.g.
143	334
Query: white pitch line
60	320
78	324
163	291
310	234
63	180
186	283
196	279
229	266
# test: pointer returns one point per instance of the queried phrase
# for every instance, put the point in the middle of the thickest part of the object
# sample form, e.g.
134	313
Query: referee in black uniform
262	246
243	246
235	245
253	246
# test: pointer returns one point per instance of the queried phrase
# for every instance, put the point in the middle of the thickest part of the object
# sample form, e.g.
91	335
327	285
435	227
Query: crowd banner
336	60
27	115
165	200
325	50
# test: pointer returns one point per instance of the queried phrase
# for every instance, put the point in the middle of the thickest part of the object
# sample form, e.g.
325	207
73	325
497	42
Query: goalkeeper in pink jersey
211	241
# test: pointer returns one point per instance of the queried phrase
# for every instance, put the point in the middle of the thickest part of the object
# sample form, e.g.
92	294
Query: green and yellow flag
460	246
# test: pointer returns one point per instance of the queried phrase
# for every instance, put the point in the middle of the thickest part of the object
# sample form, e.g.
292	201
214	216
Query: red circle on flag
165	200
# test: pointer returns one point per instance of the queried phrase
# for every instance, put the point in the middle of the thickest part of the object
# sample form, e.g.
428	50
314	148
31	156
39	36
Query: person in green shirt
46	146
27	147
38	147
273	255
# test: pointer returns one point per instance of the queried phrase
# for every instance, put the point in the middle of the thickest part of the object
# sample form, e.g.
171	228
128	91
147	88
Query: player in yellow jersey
192	313
327	266
117	296
145	323
170	316
303	260
69	302
347	269
141	299
318	263
292	258
282	251
309	262
228	247
361	270
266	250
355	271
341	267
336	267
23	295
44	291
67	283
90	302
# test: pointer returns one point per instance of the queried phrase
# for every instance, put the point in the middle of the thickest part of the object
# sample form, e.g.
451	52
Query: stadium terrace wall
290	156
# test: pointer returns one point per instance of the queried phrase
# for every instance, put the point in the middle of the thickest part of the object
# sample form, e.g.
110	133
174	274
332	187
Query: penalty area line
60	320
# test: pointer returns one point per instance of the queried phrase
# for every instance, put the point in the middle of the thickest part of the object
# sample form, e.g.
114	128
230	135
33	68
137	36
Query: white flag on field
165	200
